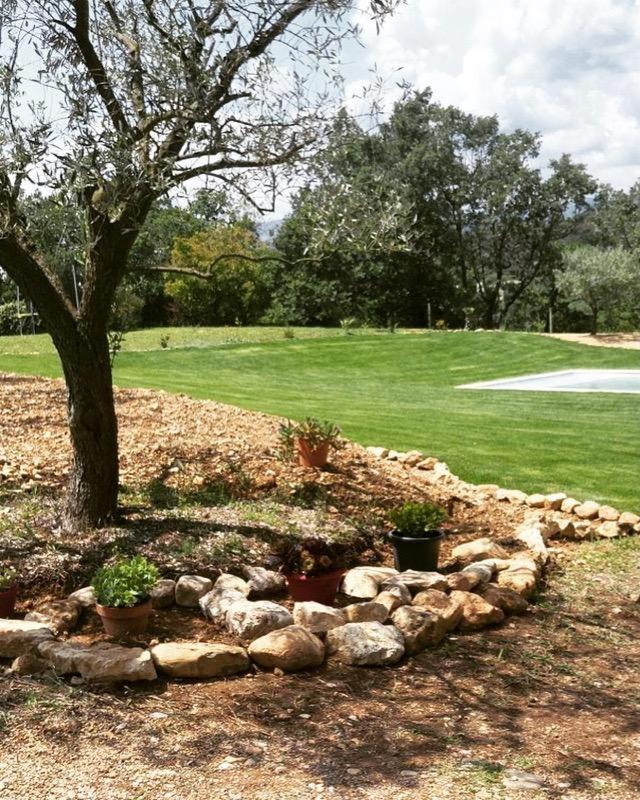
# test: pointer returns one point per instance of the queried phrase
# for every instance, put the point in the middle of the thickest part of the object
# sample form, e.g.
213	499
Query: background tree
600	280
150	94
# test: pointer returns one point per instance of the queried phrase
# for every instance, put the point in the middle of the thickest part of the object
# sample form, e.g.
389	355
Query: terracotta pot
8	600
319	588
308	457
417	552
122	622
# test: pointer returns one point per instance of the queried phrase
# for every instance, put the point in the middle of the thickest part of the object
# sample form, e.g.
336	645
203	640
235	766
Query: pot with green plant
8	591
123	595
313	568
310	440
416	535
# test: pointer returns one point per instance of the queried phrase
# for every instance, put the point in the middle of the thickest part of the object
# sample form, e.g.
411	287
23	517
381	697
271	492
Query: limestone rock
463	582
370	611
394	597
536	500
480	572
506	599
85	597
427	463
394	455
18	637
263	582
608	530
445	606
317	617
199	659
190	588
587	510
569	505
60	615
249	619
420	627
416	581
511	496
412	458
521	577
215	604
628	520
163	594
531	534
477	613
554	501
366	644
289	649
566	529
228	581
608	513
29	664
103	662
378	452
364	582
478	550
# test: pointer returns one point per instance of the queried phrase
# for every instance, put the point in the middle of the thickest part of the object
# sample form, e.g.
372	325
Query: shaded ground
555	693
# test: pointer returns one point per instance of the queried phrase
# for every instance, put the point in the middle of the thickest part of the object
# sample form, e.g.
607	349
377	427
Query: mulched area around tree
555	693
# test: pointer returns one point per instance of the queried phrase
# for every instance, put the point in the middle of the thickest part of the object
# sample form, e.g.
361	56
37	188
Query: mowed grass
400	391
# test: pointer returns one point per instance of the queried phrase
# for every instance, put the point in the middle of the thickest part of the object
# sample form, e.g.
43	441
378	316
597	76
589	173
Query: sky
569	69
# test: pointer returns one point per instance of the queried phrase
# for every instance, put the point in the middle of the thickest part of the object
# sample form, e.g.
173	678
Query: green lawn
399	391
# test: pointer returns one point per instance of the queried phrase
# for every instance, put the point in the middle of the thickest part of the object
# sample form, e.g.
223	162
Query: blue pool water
574	380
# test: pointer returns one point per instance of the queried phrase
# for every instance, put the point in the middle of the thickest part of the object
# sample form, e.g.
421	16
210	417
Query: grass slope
399	391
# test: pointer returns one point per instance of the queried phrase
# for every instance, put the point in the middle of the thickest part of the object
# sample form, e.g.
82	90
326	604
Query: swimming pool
572	380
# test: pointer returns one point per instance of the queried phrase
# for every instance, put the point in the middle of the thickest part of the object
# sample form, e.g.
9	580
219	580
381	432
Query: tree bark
594	321
93	491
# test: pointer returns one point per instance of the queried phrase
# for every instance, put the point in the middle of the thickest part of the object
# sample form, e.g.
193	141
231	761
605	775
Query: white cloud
567	68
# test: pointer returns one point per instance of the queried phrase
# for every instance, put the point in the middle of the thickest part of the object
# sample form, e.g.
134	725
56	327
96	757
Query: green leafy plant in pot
123	595
310	440
8	591
313	568
416	535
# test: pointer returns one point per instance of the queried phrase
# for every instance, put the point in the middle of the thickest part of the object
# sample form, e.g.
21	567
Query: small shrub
7	578
126	583
288	333
413	519
441	325
116	338
164	341
348	324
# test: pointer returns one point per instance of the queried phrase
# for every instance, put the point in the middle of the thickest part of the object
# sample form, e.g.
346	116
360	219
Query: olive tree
112	104
599	280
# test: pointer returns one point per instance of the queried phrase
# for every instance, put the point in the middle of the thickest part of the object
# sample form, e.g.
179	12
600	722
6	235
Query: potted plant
310	440
123	595
8	591
313	569
416	535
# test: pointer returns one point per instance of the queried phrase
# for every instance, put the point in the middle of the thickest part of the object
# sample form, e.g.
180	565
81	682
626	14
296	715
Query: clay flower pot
319	588
123	622
312	457
8	600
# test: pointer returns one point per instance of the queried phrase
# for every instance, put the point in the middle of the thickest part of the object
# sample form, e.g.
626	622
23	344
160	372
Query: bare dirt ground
555	693
629	341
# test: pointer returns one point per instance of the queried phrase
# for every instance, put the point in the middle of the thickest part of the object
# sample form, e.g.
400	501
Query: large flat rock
19	636
102	662
366	644
199	659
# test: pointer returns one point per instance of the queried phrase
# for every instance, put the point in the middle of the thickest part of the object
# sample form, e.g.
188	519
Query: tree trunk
93	490
594	321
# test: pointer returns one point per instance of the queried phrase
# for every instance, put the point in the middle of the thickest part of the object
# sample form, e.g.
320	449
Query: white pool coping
511	384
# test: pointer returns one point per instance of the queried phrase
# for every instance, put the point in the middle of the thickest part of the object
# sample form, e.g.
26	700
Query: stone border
391	615
587	518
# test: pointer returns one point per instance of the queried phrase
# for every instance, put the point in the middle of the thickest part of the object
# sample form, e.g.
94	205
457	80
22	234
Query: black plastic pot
413	552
